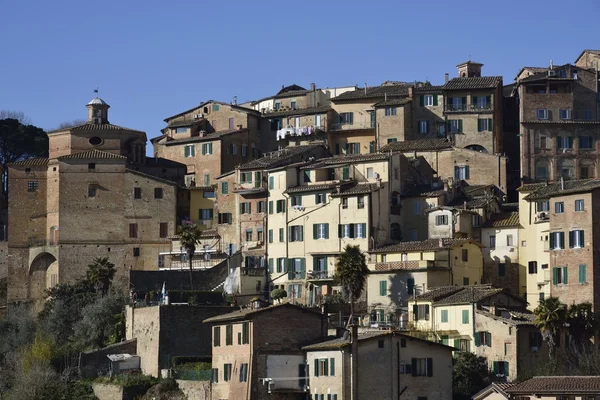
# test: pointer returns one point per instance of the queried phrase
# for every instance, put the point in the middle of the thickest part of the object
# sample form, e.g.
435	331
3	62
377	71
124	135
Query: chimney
410	91
441	242
446	77
365	88
313	87
235	100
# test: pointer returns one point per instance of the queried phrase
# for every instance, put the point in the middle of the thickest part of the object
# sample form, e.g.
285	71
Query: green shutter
565	275
224	188
435	99
457	344
281	234
465	316
270	265
413	362
421	100
477	338
582	273
371	147
271	207
490	126
270	235
303	269
479	128
326	368
340	230
555	276
460	126
382	288
364	230
326	231
315	231
210	148
506	368
351	226
290	268
271	182
325	261
495	367
332	367
316	371
346	173
488	339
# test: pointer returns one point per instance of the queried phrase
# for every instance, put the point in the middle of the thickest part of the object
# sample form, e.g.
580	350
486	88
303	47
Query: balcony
346	126
408	265
291	131
249	188
179	260
473	107
320	275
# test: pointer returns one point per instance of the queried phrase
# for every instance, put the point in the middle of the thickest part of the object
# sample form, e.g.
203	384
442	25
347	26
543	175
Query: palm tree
550	319
582	321
101	273
351	273
189	237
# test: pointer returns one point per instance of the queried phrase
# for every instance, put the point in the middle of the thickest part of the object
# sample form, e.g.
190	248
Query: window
307	176
352	148
91	167
246	333
217	336
423	126
324	367
483	339
421	312
243	372
207	149
476	221
560	276
465	255
277	105
444	316
410	285
509	240
181	130
390	140
248	235
441	220
564	142
542	113
281	234
296	233
133	230
500	368
206	179
360	201
163	229
455	125
465	316
532	267
559	207
586	142
576	239
33	186
226	372
370	173
208	195
244	150
92	189
136	251
383	288
557	240
205	214
542	206
224	218
158	193
346	118
233	149
565	113
502	270
229	335
293	104
320	231
582	273
262	206
422	366
428	100
461	172
390	111
344	202
246	177
492	241
245	208
579	205
137	193
484	125
413	235
189	150
224	187
280	206
320	198
271	182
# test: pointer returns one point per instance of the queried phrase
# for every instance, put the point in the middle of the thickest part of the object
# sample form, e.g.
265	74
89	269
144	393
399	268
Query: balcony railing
41	242
320	275
180	261
342	126
469	107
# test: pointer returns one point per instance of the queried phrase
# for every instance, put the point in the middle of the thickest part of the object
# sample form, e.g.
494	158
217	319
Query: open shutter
324	263
415	312
571	239
479	125
270	235
490	126
460	126
430	367
270	265
555	276
582	239
316	371
315	231
435	100
332	367
467	173
477	338
413	363
271	207
506	368
326	231
552	241
565	275
364	230
457	344
290	268
303	268
421	100
495	367
340	230
488	339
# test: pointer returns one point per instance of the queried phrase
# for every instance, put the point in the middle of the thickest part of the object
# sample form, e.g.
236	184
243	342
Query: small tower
469	69
97	111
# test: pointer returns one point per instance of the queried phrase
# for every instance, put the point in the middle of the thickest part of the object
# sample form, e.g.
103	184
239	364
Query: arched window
395	232
566	168
542	170
476	147
395	199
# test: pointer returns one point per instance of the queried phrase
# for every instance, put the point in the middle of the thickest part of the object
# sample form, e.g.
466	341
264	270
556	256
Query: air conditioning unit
541	215
552	72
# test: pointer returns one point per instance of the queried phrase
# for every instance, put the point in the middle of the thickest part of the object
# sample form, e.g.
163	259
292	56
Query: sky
152	59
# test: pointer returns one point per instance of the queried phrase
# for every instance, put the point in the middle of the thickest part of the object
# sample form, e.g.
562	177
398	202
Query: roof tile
31	162
96	127
418	145
93	154
545	191
421	245
558	385
503	220
475	82
360	188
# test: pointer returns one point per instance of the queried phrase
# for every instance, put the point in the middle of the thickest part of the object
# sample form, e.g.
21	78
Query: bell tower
469	69
97	111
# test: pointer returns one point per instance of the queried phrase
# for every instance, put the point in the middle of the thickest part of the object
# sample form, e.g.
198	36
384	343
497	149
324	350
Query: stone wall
107	391
94	363
195	390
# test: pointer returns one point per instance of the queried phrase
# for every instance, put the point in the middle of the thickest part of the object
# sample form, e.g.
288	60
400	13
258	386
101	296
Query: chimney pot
410	92
447	76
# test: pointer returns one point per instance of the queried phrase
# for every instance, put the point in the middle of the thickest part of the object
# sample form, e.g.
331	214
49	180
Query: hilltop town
470	199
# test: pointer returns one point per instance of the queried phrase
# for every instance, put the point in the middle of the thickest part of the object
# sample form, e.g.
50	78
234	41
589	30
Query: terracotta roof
474	190
249	313
353	158
360	188
184	122
311	188
469	62
517	318
475	82
391	90
207	137
570	187
535	70
291	90
96	127
496	387
418	145
93	155
421	245
529	187
436	294
248	110
429	89
558	385
394	102
298	111
474	202
150	176
503	220
30	162
340	342
469	295
280	158
424	191
510	206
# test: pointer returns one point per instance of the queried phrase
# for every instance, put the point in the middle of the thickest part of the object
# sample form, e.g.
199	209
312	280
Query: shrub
278	294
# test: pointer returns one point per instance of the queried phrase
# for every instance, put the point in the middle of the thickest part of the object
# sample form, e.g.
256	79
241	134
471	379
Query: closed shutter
351	229
460	126
430	367
479	129
316	371
271	265
552	240
413	363
326	231
582	273
477	338
490	126
332	367
565	275
324	263
371	147
340	230
421	100
270	235
364	230
271	182
506	368
290	268
435	100
488	339
426	312
271	207
210	148
495	367
415	312
315	231
555	276
302	269
467	173
457	344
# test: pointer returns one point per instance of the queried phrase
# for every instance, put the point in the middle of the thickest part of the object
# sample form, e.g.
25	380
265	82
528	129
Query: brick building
97	195
253	346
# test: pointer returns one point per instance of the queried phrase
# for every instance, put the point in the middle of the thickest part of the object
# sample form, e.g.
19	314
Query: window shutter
488	100
571	239
460	126
316	371
554	276
326	231
364	230
435	100
582	243
315	264
315	231
426	126
464	101
271	207
427	312
582	273
325	260
326	368
477	338
303	269
565	275
478	125
490	126
337	148
421	100
467	173
270	235
430	367
270	265
210	148
457	344
488	339
495	367
371	147
290	268
351	230
340	230
562	240
552	244
414	366
415	312
506	368
410	284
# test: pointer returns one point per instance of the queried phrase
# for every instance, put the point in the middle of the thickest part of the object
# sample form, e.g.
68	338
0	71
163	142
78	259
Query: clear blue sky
152	59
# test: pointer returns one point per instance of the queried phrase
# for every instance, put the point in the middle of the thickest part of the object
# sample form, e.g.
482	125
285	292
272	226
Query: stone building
556	387
390	364
559	124
212	138
97	195
500	236
257	351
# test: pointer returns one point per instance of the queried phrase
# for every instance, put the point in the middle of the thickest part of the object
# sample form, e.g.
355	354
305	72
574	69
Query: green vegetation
470	375
189	237
351	274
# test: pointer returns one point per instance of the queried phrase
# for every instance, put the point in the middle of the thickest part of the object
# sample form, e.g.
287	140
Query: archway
43	274
477	147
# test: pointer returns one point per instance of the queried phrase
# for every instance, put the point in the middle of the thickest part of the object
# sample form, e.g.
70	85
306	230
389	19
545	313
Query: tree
189	237
18	115
100	321
19	141
70	124
469	375
550	319
351	274
100	274
582	322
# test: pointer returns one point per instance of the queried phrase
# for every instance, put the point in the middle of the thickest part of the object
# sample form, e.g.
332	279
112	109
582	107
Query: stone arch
477	147
43	274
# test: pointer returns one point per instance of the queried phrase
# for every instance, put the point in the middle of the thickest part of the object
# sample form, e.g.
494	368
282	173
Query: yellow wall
197	202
